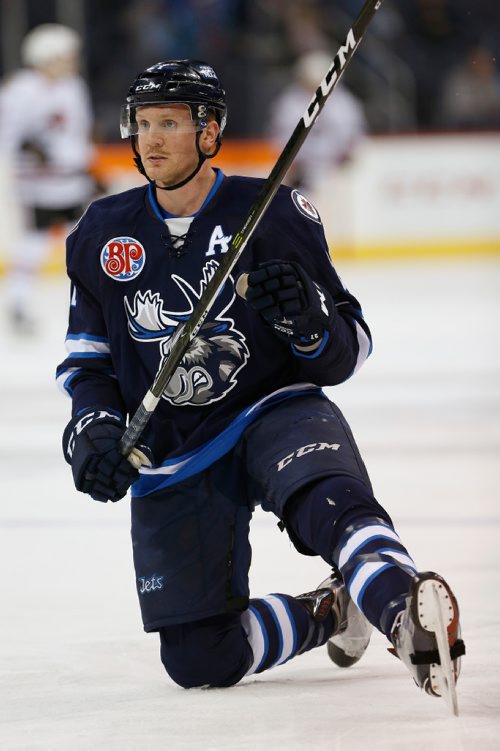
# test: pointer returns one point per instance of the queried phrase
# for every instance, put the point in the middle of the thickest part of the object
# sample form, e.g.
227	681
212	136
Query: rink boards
400	196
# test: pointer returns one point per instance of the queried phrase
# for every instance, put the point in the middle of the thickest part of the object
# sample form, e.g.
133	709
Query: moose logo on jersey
123	258
216	354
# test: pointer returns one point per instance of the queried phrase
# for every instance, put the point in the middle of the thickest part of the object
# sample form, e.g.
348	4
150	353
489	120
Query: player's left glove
298	309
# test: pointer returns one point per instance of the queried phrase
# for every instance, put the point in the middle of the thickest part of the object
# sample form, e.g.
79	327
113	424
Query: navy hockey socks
278	627
377	570
339	519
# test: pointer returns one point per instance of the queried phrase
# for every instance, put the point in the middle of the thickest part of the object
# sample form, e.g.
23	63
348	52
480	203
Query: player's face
166	140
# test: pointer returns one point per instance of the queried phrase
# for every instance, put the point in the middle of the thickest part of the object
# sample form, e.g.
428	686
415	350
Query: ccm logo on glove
82	423
91	444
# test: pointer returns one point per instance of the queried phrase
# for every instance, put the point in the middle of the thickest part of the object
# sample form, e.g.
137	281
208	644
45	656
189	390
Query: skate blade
436	613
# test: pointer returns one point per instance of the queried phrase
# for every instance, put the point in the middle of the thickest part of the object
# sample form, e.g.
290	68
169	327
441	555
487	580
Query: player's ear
208	138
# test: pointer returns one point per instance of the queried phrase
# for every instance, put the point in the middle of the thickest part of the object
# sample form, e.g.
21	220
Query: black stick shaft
186	332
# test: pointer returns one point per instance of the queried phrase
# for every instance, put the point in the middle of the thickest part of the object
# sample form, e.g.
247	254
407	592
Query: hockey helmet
190	82
49	42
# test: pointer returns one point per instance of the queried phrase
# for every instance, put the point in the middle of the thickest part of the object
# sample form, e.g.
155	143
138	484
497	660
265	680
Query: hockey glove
91	444
298	309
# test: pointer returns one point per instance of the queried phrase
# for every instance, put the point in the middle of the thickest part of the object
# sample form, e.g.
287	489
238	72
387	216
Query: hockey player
243	421
50	152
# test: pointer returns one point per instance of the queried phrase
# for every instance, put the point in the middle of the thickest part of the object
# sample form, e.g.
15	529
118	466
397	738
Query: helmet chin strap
201	159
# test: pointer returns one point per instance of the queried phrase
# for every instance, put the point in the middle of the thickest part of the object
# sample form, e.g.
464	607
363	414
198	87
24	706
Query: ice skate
352	631
426	635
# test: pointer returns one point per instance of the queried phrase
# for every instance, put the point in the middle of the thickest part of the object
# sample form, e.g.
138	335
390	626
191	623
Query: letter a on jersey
218	241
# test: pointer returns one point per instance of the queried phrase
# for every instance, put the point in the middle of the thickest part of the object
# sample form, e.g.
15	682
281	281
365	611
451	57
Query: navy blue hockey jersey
133	282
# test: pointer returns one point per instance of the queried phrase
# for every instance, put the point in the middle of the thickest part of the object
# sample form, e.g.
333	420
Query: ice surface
76	670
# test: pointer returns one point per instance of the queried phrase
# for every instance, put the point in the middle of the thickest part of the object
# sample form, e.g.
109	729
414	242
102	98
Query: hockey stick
186	332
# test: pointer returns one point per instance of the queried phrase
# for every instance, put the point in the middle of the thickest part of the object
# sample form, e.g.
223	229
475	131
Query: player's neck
189	199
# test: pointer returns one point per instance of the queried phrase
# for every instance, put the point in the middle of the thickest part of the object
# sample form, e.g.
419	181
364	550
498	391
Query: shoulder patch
305	206
123	258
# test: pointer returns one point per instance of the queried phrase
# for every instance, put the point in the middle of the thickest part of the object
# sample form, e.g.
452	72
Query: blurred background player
45	134
336	133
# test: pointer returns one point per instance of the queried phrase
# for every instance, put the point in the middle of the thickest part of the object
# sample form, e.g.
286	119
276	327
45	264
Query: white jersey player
45	138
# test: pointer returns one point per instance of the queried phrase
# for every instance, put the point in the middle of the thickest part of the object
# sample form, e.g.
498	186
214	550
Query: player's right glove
91	444
299	311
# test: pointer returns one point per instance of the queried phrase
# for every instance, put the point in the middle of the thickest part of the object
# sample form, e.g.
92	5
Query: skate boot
352	631
426	635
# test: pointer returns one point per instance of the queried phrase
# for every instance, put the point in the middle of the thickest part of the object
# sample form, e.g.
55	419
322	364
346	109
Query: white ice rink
78	673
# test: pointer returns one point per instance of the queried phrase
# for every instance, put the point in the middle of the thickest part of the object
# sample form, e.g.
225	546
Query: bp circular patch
305	206
123	258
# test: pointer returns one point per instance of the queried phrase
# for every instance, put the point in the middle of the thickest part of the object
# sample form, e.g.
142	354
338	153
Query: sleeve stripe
86	355
88	337
66	376
64	379
364	345
75	345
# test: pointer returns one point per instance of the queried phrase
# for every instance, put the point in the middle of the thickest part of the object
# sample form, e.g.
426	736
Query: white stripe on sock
253	629
365	571
363	535
285	626
398	555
